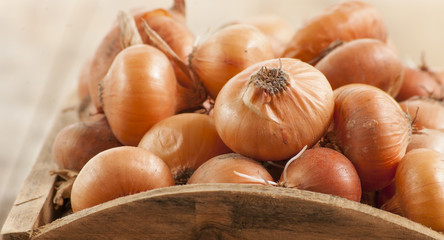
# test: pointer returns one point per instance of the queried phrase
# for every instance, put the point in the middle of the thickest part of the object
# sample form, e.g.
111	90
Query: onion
118	172
231	168
323	170
427	138
419	192
227	52
420	82
77	143
164	22
426	112
273	108
277	29
372	131
345	21
368	61
184	142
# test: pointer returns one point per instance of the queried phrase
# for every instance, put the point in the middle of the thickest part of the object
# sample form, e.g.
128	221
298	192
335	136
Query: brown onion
428	138
345	21
372	131
231	168
184	142
118	172
277	29
272	109
426	112
368	61
420	81
77	143
227	52
419	192
323	170
167	25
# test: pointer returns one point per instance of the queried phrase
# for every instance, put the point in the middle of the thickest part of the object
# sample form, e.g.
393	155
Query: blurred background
43	44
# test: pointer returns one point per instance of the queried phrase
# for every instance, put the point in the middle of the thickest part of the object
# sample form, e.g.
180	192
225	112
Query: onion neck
181	177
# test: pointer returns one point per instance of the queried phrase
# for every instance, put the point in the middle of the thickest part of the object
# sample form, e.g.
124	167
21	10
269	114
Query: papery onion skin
368	61
184	142
274	127
118	172
326	171
226	53
427	112
420	188
138	91
346	21
220	169
77	143
372	131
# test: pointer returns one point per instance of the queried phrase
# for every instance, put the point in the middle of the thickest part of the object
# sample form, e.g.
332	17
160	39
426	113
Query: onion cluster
329	108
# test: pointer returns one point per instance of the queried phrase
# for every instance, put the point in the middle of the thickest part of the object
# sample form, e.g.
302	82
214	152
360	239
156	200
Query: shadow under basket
201	211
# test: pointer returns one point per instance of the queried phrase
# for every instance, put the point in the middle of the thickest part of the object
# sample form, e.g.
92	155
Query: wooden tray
204	211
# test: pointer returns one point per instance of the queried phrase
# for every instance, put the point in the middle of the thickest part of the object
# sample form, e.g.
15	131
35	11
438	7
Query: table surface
43	45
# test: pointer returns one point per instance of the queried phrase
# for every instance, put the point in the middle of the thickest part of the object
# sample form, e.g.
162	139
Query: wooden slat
233	211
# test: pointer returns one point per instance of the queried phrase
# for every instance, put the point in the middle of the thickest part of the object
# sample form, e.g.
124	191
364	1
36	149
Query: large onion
272	109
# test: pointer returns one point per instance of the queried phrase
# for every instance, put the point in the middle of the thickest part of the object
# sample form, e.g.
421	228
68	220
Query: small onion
272	109
278	30
227	52
421	82
419	192
184	142
428	138
118	172
138	91
77	143
426	112
323	170
231	168
372	131
345	21
368	61
163	21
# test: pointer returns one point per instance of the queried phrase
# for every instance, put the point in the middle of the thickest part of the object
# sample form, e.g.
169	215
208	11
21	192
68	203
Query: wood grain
233	211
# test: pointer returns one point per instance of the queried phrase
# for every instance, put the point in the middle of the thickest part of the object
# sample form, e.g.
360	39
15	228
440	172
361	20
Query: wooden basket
204	211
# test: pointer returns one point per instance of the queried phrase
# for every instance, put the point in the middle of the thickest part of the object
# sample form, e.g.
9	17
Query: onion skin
420	82
138	91
326	171
172	30
427	112
226	53
419	188
118	172
367	61
184	142
272	127
346	21
77	143
220	169
372	131
428	138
